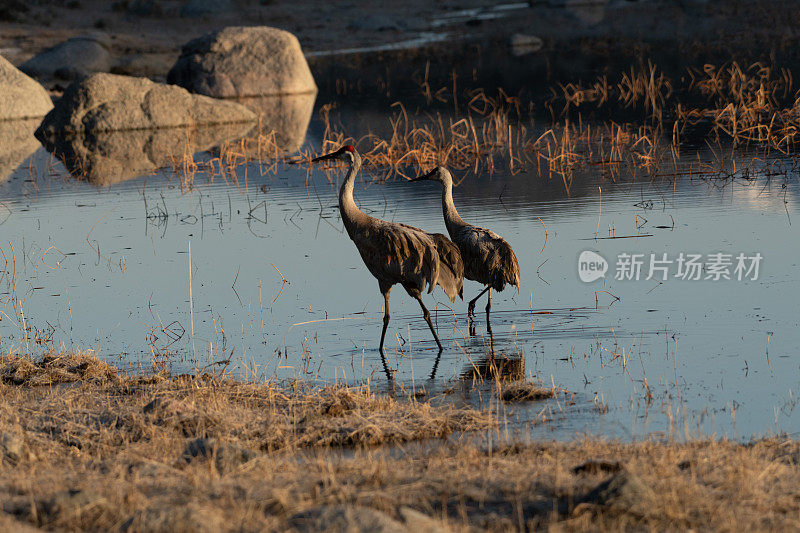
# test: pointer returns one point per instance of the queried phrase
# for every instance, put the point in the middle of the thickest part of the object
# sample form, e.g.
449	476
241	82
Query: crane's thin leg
489	308
471	307
427	316
385	319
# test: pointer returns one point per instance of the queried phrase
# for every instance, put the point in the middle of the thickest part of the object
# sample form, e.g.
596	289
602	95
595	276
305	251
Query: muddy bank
84	447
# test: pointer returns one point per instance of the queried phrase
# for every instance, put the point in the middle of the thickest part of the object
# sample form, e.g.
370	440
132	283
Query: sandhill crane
488	258
396	253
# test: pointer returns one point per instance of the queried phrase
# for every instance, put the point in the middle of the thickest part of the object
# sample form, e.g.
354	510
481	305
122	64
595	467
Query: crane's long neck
451	217
352	216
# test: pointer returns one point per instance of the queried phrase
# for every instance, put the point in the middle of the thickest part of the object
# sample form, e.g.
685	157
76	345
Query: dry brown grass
506	373
202	454
486	132
262	147
487	136
523	391
491	133
746	104
53	368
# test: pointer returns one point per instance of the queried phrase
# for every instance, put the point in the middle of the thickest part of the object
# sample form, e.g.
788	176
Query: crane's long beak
424	176
331	155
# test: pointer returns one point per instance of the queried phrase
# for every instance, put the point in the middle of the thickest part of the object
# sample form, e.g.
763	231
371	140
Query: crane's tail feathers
451	267
433	268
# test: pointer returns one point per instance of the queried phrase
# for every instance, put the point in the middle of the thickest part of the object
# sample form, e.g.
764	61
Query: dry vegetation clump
488	132
263	416
523	391
262	147
53	368
507	376
204	454
496	368
755	104
498	132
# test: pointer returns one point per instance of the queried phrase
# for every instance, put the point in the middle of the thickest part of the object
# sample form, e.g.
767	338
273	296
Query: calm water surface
277	287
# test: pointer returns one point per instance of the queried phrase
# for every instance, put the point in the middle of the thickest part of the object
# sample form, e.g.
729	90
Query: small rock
200	8
12	448
73	59
589	12
20	96
345	518
227	456
524	44
107	102
623	492
597	466
243	61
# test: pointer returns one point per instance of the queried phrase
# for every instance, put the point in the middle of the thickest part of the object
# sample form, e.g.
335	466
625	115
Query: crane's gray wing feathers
395	253
451	267
488	258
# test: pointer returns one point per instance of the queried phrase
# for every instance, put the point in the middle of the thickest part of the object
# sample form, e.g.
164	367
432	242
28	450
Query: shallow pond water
254	268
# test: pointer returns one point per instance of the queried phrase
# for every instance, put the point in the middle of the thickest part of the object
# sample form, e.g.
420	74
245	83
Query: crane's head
440	174
345	153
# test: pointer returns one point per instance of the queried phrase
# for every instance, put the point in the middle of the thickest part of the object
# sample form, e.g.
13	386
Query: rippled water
278	289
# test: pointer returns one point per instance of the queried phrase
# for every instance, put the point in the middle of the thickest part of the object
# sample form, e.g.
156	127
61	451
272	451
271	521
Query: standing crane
397	253
488	258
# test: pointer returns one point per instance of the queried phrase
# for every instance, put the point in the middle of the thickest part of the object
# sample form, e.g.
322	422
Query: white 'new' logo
591	266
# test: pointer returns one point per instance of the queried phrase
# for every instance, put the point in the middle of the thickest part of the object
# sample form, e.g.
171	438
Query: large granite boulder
240	61
20	96
73	59
107	102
